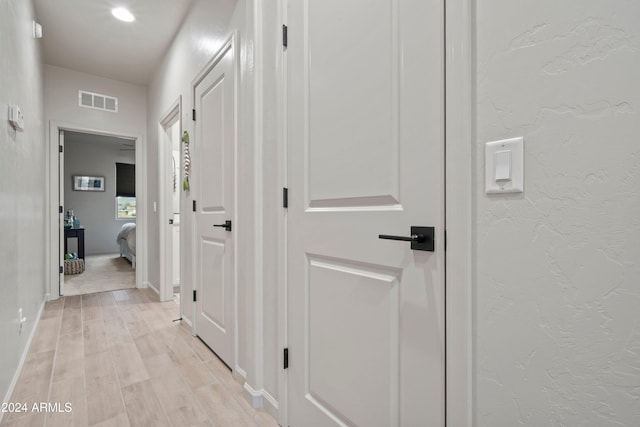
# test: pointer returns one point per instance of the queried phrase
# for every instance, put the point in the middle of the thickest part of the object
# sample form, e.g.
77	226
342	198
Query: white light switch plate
16	118
499	176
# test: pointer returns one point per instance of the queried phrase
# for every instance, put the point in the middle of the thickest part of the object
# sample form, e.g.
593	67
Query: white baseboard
252	396
261	399
271	405
150	285
187	321
14	381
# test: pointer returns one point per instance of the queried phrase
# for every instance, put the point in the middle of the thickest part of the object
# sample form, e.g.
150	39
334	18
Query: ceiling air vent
97	101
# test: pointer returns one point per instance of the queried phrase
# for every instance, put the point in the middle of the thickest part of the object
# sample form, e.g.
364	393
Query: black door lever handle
421	238
413	238
226	225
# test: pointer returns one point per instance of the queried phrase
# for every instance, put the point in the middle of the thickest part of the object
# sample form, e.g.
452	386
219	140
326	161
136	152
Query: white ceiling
84	36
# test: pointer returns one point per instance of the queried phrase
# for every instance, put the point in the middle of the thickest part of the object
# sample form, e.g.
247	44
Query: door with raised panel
365	101
214	188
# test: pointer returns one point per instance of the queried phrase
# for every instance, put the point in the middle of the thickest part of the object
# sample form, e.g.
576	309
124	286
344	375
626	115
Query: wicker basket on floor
73	266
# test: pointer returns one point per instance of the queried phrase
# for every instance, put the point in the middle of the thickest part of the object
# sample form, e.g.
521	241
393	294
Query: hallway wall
557	325
22	193
61	102
203	32
61	107
206	27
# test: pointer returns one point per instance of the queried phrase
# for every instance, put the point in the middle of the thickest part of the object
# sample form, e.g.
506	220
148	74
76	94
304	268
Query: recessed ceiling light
123	14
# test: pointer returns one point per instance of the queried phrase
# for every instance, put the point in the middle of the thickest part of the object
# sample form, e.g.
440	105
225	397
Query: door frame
165	288
231	43
52	191
460	171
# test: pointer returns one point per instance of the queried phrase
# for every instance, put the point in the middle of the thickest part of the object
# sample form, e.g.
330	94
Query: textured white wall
96	210
61	102
201	35
557	272
207	26
22	189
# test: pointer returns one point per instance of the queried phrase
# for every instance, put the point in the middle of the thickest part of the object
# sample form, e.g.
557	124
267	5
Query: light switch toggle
503	165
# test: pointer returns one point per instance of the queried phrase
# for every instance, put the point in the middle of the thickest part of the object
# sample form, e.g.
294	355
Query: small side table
78	233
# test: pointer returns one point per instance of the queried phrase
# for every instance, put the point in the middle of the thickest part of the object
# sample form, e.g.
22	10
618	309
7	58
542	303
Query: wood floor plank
143	407
30	419
90	308
179	402
99	365
71	320
69	392
33	383
194	372
104	400
95	337
46	336
69	361
105	299
73	302
117	332
129	365
150	345
120	420
52	309
221	407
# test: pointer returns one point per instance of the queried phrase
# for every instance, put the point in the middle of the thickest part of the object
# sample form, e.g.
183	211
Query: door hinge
286	358
60	149
61	269
193	114
445	240
285	36
285	197
194	206
194	296
60	209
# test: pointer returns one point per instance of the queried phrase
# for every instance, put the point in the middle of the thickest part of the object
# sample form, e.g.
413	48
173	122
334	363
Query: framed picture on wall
88	183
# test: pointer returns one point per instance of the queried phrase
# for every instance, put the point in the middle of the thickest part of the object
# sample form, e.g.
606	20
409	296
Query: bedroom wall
96	210
22	189
556	305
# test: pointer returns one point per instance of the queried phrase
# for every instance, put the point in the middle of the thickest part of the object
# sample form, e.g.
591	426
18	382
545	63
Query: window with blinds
125	191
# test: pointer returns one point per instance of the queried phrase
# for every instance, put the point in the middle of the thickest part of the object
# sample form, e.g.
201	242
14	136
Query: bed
127	241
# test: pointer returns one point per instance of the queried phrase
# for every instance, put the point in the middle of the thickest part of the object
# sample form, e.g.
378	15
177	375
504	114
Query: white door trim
52	189
165	287
460	169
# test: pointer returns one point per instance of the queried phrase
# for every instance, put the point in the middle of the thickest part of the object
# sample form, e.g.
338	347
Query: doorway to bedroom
98	221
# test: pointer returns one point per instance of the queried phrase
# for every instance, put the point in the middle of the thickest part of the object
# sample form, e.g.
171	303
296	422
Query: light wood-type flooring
101	273
117	359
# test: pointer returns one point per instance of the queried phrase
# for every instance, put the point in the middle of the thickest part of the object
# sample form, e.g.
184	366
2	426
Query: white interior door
365	157
214	188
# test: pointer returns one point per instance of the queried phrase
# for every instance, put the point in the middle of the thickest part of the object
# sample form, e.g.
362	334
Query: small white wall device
16	119
37	30
504	166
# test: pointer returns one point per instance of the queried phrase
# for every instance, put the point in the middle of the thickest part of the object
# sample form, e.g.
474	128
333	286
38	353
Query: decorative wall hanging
187	161
88	183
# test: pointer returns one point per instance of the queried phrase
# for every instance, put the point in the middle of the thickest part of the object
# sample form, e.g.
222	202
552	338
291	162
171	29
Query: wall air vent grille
97	101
